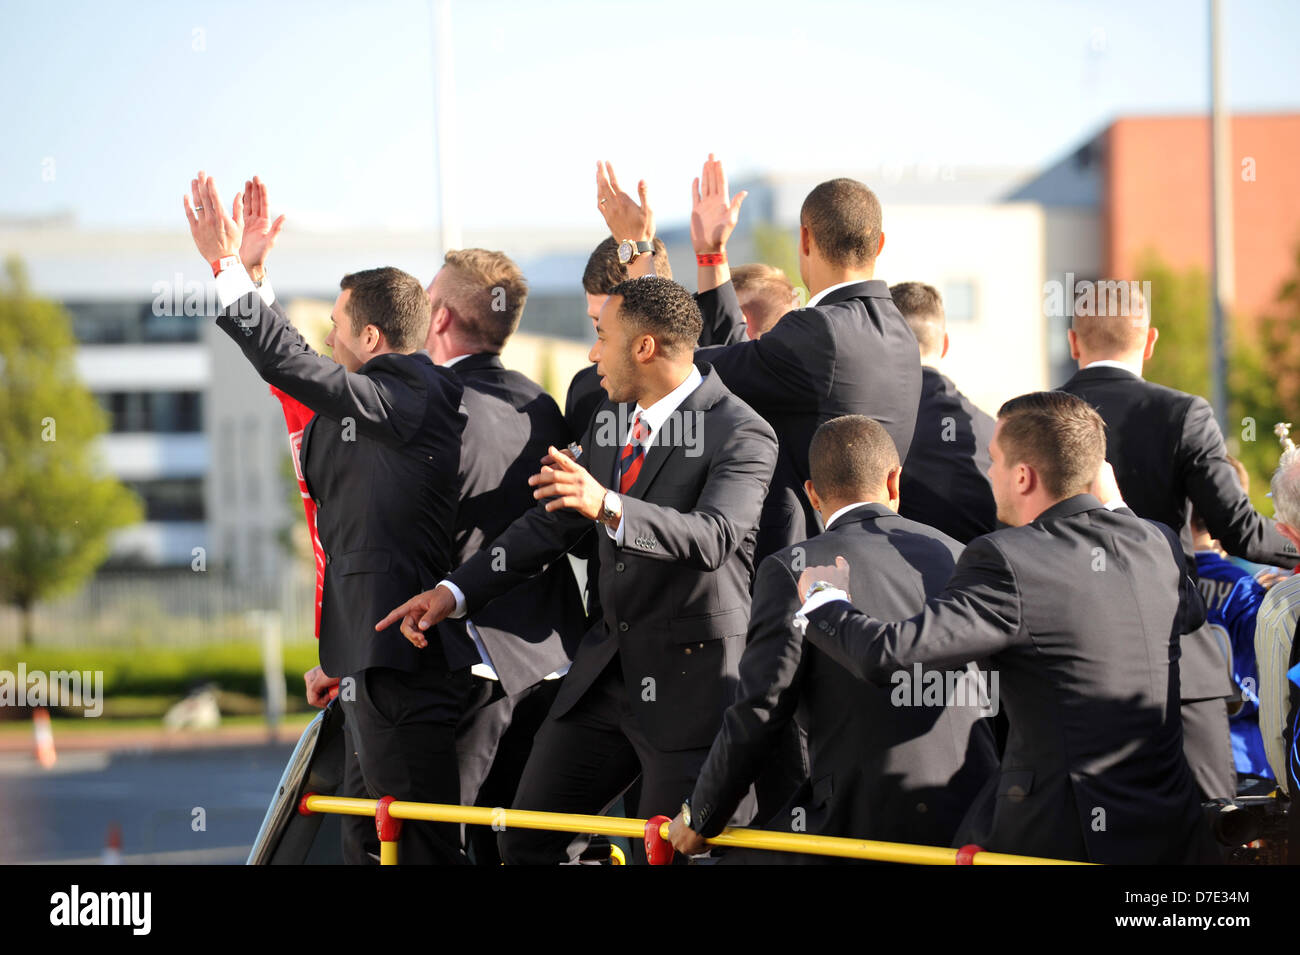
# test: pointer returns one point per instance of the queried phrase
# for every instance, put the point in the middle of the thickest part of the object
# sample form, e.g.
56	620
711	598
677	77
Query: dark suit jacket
585	395
379	459
675	596
945	480
510	423
852	353
878	770
1080	613
1169	455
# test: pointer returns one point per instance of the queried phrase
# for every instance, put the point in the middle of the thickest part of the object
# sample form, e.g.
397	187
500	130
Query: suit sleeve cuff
819	599
458	594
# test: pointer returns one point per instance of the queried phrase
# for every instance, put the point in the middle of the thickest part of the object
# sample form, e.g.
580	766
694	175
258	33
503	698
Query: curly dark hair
662	308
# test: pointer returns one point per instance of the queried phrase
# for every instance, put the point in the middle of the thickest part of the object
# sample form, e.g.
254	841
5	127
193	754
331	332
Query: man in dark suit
525	640
379	458
1168	455
1079	608
603	272
848	351
686	479
945	483
884	765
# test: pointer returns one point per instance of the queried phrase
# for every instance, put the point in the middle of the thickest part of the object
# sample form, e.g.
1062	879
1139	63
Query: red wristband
711	258
216	264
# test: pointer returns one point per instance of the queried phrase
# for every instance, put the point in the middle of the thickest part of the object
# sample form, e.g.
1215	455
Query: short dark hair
843	216
765	293
604	270
1059	435
922	306
850	457
393	301
662	308
487	292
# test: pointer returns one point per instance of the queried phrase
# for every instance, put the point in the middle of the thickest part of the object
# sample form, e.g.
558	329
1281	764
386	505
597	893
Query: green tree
56	506
776	247
1263	363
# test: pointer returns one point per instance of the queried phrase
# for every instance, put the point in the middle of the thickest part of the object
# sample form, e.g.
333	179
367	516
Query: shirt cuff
617	535
819	599
458	594
234	283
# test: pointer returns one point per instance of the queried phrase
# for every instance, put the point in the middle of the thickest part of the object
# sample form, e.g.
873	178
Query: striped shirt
1274	633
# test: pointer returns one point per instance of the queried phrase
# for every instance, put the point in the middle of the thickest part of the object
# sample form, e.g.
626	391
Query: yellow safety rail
388	812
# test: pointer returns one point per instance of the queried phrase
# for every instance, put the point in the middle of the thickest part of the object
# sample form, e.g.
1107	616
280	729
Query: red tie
629	462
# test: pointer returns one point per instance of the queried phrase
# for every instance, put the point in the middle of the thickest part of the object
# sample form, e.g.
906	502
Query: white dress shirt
831	288
654	418
1111	363
234	283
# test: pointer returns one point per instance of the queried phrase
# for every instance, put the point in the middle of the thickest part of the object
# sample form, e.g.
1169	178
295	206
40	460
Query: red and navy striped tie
629	462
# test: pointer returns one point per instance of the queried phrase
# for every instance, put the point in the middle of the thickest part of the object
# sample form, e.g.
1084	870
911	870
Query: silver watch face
626	251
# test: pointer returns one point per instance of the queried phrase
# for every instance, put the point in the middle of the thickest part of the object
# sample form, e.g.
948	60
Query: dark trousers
493	742
583	761
400	738
1207	744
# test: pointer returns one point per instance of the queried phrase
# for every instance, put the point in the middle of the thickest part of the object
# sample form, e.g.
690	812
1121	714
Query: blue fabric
1232	599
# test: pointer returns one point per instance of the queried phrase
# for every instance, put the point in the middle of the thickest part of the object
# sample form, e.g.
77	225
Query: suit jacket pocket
363	562
712	626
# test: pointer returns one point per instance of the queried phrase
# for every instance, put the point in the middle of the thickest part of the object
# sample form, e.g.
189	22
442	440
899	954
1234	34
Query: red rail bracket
966	854
302	805
658	850
388	828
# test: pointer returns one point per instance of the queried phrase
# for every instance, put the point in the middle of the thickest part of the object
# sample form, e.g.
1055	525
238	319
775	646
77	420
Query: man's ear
372	339
879	246
442	318
646	348
805	240
1152	334
944	353
893	486
1074	344
813	499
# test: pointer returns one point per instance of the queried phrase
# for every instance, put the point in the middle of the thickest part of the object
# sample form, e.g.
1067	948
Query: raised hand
713	213
626	218
420	613
260	232
216	235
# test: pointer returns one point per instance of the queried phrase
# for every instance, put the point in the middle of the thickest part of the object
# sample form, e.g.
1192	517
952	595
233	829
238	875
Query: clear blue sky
332	103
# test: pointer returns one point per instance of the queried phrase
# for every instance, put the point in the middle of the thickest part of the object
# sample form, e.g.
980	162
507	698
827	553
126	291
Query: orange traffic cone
45	754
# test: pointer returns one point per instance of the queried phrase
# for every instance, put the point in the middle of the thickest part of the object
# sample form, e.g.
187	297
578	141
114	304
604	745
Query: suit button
688	650
622	626
619	566
821	625
327	558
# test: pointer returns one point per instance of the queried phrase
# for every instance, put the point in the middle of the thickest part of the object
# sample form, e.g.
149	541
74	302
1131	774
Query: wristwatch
818	587
610	508
629	249
686	812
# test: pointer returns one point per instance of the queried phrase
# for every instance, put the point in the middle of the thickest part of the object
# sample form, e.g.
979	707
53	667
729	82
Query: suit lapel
694	405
